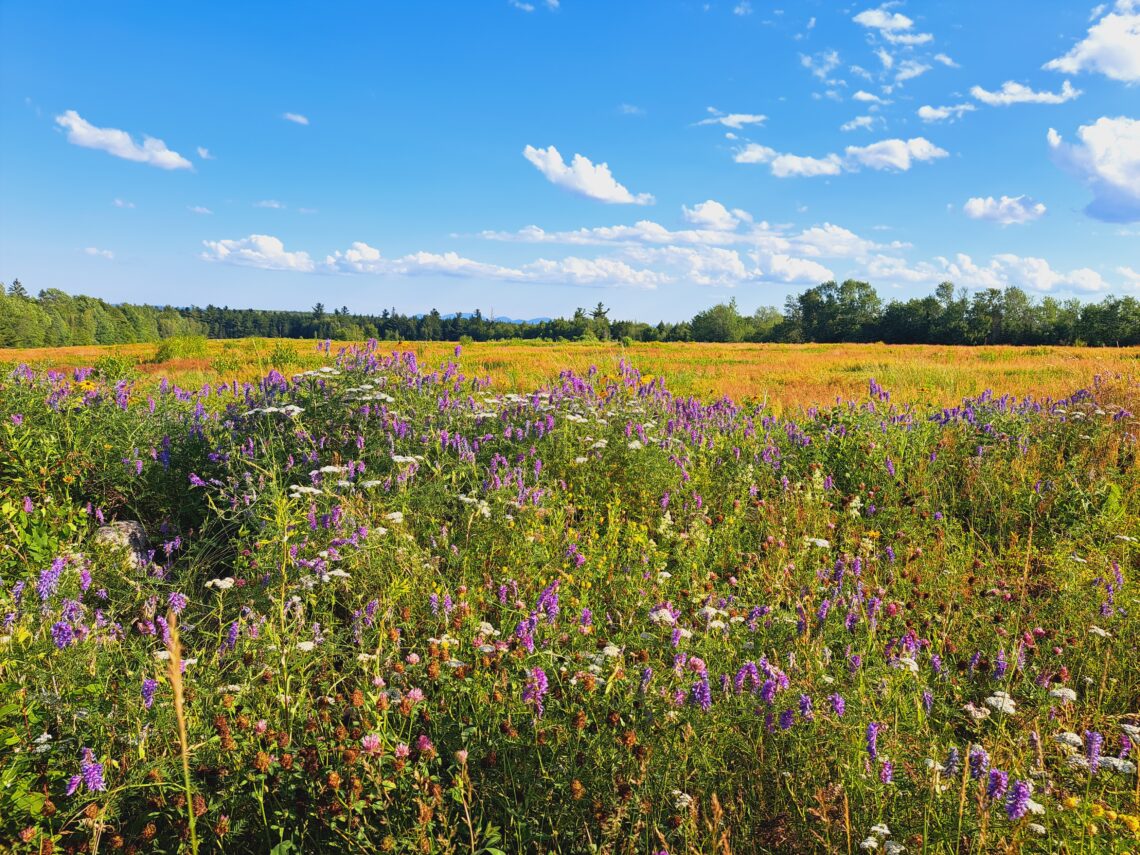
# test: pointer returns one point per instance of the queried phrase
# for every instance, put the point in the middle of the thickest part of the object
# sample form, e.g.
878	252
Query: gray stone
127	536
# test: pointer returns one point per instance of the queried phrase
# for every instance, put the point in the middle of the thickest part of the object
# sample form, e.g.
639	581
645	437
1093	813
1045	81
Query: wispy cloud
199	209
736	121
296	118
123	203
100	253
119	143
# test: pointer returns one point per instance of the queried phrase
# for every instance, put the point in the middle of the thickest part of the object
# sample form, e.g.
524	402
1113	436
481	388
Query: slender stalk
174	646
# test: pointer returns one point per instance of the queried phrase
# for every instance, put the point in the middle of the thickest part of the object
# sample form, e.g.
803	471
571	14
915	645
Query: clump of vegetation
387	609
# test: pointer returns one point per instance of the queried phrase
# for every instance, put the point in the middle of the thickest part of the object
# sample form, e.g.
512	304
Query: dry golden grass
786	375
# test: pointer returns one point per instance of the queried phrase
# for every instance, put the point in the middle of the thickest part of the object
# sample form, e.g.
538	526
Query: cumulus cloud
867	97
941	114
945	60
263	251
204	153
736	121
1112	46
1017	93
1107	159
583	177
1131	277
1006	210
100	253
711	214
119	143
894	153
1035	274
296	118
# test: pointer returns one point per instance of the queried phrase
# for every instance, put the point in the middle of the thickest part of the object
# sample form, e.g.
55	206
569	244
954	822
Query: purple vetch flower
28	506
91	772
873	739
1093	743
887	771
890	467
1001	665
177	602
1017	803
927	700
62	635
997	785
148	688
805	708
646	676
953	762
787	719
535	690
838	705
701	694
979	762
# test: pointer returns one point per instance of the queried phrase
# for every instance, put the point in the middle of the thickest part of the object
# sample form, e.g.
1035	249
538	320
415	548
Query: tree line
850	311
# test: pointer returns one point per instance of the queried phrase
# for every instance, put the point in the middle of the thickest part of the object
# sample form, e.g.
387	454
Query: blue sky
525	157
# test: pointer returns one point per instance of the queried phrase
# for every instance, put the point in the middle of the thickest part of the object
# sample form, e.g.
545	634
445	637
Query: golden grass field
786	375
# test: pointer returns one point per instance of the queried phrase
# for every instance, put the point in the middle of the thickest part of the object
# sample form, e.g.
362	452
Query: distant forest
850	311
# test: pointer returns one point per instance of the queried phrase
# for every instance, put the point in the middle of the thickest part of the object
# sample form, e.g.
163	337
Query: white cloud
204	153
296	118
712	215
123	203
1006	269
858	122
945	60
885	58
786	268
894	153
1131	277
1112	47
744	7
583	177
910	69
1107	159
631	110
1017	93
821	64
199	209
518	4
732	120
885	154
100	253
269	203
939	114
892	26
788	165
699	265
119	143
264	251
880	19
362	258
867	97
1006	210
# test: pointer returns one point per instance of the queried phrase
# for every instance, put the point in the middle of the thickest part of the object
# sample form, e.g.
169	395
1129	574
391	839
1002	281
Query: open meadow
491	599
784	375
